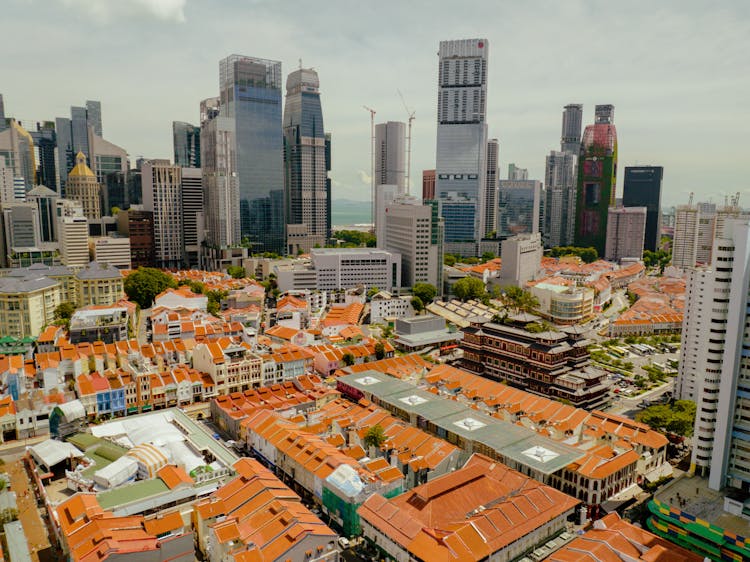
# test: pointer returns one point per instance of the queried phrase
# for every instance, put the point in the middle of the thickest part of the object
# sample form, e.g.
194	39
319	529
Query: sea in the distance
347	214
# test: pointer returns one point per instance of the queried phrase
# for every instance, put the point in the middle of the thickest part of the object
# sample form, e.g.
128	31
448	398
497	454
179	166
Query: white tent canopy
51	452
116	473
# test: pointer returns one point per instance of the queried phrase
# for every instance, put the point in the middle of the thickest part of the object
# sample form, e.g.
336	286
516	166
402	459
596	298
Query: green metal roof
130	493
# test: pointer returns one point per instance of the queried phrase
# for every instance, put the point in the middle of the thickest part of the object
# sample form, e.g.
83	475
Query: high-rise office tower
251	96
2	113
385	195
597	172
519	203
408	231
461	155
305	164
186	139
221	192
428	185
191	187
162	195
74	240
713	371
94	116
490	188
45	142
390	155
560	181
109	163
560	192
572	121
73	137
83	187
642	188
46	201
17	149
517	174
626	228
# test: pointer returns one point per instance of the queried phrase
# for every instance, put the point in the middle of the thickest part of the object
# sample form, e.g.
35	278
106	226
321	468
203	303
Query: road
628	406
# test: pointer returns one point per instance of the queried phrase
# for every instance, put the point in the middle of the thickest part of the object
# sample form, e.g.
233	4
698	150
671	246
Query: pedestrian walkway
28	513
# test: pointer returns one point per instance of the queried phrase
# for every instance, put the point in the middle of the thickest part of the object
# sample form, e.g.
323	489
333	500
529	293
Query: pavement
629	406
28	512
692	494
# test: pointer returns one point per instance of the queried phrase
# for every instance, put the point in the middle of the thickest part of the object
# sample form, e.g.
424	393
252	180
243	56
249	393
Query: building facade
83	187
74	240
390	155
626	230
461	156
597	172
521	259
344	268
162	195
642	188
250	95
572	122
428	185
491	188
138	226
408	232
560	192
191	188
186	141
519	207
306	166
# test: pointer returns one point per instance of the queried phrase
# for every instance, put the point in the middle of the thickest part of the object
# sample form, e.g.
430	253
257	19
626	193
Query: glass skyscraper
461	155
250	95
187	144
519	203
642	188
306	149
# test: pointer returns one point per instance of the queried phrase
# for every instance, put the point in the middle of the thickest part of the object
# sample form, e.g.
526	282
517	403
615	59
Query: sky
678	73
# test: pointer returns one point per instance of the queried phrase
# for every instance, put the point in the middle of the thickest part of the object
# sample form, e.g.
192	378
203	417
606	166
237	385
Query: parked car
343	542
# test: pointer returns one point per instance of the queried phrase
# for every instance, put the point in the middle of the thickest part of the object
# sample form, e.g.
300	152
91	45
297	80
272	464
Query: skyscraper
519	204
162	195
560	191
560	180
250	95
306	165
490	188
73	137
94	116
642	188
461	155
516	173
570	138
221	193
191	189
2	113
186	139
626	227
390	155
17	148
597	172
109	163
713	371
408	231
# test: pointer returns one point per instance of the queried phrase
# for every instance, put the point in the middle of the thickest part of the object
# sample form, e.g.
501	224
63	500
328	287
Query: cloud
106	11
364	177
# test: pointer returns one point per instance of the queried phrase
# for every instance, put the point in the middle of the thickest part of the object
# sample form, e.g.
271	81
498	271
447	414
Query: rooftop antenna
372	163
411	113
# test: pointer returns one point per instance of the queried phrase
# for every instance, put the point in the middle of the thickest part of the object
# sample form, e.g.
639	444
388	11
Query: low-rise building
99	284
562	302
256	517
182	297
385	307
483	511
232	367
94	323
27	303
420	332
549	363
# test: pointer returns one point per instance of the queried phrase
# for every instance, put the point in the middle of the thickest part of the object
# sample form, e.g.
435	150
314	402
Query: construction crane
411	113
372	163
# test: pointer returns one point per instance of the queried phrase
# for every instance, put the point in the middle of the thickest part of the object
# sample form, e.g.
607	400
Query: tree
196	286
678	418
379	350
424	291
449	260
355	238
145	283
519	300
487	256
348	359
63	313
469	288
588	255
214	301
417	304
659	258
236	272
375	436
372	291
